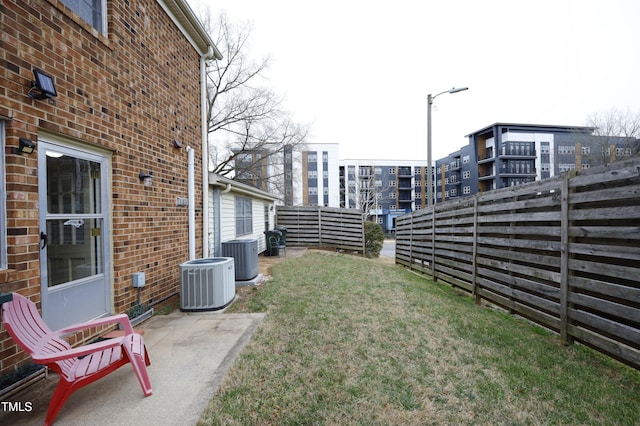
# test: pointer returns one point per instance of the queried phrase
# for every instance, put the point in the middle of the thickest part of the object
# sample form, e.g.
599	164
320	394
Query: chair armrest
122	319
76	352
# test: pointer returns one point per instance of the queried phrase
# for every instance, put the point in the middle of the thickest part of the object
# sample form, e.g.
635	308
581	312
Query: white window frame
103	14
244	216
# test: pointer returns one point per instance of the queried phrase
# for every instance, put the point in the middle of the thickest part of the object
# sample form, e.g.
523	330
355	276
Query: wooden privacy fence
322	227
563	252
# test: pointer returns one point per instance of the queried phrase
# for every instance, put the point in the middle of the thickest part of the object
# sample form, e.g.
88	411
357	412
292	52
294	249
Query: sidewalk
190	355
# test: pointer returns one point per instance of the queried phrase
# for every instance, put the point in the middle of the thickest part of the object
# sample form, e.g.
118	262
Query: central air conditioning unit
207	284
245	254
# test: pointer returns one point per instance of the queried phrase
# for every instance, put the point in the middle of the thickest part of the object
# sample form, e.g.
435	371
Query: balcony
405	172
529	154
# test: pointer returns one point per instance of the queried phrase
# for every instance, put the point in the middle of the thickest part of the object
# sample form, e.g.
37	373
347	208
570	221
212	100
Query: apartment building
507	154
383	189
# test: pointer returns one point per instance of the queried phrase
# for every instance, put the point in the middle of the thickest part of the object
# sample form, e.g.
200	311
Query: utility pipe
192	206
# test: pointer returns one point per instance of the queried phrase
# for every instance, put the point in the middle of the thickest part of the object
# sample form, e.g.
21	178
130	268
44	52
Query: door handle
44	240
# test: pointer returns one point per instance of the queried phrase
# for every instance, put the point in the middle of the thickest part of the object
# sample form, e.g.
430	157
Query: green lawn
348	340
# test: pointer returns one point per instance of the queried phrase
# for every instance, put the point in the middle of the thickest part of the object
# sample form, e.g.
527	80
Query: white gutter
192	206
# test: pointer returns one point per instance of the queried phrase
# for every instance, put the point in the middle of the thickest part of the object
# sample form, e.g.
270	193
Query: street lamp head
458	89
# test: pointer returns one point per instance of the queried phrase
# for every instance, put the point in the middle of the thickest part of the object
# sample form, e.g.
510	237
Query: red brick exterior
132	92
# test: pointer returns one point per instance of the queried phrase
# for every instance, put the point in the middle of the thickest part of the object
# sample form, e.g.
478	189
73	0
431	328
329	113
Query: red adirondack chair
76	367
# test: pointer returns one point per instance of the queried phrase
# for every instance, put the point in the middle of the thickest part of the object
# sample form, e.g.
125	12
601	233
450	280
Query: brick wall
132	91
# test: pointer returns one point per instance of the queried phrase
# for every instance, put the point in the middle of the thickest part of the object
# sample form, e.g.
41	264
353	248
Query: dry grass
354	341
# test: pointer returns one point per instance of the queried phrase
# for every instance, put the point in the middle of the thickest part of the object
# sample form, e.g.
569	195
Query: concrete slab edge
229	359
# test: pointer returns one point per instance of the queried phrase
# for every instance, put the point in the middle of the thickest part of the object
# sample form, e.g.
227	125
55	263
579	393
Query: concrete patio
190	355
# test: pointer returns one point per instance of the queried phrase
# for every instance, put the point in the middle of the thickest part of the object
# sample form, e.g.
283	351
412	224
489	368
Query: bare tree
616	134
247	126
369	191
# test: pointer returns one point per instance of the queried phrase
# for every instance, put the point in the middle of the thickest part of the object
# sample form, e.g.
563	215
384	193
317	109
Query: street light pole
430	99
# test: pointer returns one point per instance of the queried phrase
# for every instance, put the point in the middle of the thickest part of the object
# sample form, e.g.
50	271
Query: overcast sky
360	71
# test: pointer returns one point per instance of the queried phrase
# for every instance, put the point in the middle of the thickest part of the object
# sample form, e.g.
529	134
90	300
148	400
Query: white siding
227	217
211	218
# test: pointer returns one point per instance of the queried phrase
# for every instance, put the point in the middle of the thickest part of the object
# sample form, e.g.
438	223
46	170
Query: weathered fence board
322	227
563	252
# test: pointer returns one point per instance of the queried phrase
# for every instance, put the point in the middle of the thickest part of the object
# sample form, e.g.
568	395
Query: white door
74	234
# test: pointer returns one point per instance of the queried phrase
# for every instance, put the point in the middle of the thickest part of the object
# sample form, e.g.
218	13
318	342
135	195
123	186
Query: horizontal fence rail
563	252
322	227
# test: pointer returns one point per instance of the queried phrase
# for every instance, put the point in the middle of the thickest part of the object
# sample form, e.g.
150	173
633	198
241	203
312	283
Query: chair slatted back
25	325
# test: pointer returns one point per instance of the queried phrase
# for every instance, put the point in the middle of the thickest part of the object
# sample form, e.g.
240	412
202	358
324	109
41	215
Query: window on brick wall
91	11
3	207
244	216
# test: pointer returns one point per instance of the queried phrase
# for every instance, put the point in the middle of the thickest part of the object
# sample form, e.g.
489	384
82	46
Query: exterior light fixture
145	178
26	146
42	87
177	144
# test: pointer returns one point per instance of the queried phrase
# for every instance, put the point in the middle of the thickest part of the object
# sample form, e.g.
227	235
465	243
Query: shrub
373	239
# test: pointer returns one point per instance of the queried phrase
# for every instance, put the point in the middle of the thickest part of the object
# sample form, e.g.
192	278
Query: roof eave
188	22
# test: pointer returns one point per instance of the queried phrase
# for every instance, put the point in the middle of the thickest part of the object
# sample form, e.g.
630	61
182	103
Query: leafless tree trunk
247	126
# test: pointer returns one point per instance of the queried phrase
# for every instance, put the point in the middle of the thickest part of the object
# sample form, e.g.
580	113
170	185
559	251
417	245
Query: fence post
364	243
564	261
474	264
433	243
411	241
319	227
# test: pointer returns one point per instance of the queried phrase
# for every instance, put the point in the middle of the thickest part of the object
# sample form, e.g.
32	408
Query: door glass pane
73	185
74	233
74	249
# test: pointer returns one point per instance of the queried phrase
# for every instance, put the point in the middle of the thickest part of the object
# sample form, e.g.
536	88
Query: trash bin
272	238
283	237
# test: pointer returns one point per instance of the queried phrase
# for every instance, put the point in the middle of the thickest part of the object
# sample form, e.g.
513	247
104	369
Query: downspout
205	150
192	207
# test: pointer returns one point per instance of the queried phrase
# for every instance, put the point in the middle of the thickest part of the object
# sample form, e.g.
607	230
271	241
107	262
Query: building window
392	195
466	174
566	149
93	12
392	171
566	167
466	190
244	216
544	148
392	183
312	174
586	150
312	157
3	207
465	159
